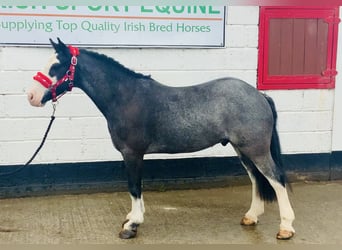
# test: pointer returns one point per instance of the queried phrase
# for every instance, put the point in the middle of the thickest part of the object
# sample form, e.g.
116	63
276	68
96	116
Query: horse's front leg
133	163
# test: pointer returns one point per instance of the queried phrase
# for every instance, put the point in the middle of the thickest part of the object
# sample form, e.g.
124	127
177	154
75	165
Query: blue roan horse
145	117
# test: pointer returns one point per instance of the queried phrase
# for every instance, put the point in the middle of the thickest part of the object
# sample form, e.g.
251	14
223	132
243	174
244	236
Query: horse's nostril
30	96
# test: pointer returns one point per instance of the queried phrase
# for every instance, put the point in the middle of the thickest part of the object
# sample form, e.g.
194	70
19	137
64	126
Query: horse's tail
265	190
275	146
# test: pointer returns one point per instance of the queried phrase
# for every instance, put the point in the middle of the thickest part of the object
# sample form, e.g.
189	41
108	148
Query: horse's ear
54	45
60	48
60	43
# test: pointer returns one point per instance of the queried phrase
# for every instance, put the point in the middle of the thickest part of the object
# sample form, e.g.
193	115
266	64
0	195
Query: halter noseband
68	77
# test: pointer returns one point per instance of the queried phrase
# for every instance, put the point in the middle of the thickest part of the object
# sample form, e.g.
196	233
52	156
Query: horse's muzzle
34	99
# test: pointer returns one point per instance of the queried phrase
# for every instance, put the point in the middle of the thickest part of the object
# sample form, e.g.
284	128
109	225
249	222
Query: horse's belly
183	144
169	149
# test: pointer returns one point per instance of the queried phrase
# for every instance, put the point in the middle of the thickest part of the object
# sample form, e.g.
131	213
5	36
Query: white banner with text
114	26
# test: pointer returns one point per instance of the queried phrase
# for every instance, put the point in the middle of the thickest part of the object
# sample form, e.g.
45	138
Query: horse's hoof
127	234
247	222
285	235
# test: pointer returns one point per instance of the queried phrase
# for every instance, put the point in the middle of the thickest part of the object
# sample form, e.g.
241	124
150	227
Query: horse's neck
105	84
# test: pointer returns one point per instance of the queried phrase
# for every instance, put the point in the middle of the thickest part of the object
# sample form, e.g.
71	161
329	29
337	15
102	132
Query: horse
145	116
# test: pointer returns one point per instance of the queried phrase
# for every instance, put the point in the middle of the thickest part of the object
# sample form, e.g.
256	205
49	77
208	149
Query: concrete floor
186	216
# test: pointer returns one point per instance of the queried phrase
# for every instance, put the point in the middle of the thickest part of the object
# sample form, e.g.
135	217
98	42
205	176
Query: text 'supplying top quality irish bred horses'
145	117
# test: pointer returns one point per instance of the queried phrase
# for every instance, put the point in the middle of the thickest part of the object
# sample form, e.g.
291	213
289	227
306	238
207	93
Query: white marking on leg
257	205
142	204
137	213
286	212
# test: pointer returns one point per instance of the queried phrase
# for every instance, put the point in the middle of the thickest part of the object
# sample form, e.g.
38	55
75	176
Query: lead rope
39	147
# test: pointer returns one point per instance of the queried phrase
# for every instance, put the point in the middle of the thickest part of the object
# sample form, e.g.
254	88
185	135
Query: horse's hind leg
257	204
267	167
267	185
135	217
286	212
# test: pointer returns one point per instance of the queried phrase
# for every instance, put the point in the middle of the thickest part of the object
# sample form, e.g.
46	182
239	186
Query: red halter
68	77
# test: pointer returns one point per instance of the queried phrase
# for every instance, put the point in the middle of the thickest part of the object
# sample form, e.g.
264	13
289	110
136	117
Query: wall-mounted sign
139	26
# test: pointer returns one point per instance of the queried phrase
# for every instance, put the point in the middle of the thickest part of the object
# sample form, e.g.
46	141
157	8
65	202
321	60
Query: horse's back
229	97
223	87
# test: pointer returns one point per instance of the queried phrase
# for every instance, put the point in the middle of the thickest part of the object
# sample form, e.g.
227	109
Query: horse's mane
116	64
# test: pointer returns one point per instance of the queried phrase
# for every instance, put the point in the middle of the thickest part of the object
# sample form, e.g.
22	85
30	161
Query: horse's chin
45	98
37	104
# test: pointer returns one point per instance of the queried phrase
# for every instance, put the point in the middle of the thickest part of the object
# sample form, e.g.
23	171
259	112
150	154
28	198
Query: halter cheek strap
68	77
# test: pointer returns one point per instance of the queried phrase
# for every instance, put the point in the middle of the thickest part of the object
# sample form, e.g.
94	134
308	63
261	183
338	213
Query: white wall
305	120
80	134
337	123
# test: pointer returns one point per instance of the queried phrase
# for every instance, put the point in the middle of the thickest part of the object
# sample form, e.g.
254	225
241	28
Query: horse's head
57	76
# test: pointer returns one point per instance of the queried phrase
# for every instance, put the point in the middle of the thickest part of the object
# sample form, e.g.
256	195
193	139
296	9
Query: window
297	47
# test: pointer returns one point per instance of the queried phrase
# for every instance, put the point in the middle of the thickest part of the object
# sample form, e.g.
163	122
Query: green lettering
62	7
144	9
203	9
116	8
194	9
94	8
212	11
179	9
165	9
